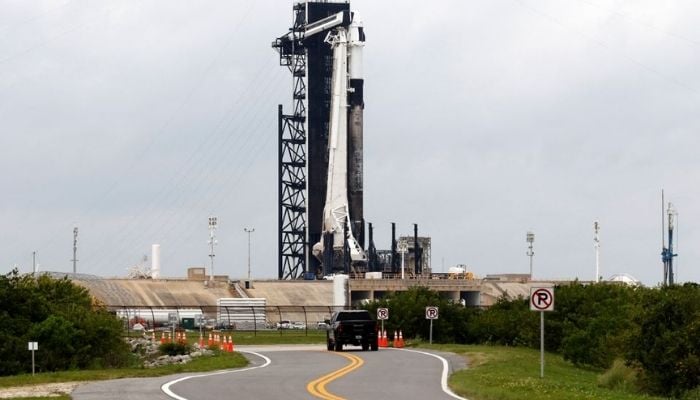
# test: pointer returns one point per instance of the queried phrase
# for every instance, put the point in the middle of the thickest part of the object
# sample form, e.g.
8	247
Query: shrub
174	348
619	377
72	331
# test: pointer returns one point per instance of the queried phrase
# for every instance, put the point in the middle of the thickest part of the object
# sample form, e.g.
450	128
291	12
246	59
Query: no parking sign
542	299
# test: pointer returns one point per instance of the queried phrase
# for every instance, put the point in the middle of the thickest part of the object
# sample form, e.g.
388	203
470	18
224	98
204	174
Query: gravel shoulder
46	390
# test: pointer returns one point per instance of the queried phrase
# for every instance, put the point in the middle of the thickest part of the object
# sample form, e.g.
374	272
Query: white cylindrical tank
456	270
155	261
340	290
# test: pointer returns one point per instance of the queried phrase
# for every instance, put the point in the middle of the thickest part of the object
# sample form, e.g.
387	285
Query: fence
241	318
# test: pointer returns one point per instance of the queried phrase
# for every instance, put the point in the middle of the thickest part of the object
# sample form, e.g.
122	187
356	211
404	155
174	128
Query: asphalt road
298	372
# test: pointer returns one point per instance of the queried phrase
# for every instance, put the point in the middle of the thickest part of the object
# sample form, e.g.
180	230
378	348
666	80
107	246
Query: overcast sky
136	120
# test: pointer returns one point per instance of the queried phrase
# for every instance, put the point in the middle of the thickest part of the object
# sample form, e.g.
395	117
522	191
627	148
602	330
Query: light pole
249	231
596	246
530	239
213	223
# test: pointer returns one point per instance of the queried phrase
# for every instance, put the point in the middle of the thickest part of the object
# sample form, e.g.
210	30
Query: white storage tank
340	290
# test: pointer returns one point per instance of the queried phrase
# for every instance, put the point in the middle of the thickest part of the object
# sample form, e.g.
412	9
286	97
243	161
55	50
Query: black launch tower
303	140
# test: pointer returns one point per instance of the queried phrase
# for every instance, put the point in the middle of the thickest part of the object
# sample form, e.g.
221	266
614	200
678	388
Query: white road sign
382	313
542	299
33	345
431	312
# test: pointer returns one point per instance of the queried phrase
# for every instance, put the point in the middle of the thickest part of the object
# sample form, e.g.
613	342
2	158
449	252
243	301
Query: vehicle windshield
353	316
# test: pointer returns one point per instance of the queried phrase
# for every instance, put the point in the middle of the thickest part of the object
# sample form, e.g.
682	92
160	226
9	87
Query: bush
619	377
175	348
72	331
667	340
693	394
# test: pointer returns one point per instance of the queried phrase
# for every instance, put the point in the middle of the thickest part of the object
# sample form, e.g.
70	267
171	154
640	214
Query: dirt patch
46	390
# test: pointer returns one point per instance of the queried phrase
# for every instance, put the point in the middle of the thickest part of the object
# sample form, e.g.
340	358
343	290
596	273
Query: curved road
298	372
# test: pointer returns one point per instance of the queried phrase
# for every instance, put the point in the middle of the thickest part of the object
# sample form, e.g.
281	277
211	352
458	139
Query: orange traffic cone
201	341
400	340
230	343
162	337
395	342
383	342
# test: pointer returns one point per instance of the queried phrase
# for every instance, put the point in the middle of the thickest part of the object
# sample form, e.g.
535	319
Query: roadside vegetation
513	373
645	340
220	360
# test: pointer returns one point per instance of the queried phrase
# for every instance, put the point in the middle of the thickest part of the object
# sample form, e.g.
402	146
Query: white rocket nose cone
356	19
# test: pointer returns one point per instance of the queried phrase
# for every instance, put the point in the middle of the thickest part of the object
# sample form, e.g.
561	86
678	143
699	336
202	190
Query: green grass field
508	373
199	364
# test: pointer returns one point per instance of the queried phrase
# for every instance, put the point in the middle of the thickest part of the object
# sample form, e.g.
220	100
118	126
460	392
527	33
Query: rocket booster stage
343	223
356	105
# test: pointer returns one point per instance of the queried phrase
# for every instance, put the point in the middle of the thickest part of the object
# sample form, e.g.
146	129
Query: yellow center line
317	387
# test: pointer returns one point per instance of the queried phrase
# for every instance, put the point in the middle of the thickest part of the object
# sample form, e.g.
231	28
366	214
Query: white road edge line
445	369
166	386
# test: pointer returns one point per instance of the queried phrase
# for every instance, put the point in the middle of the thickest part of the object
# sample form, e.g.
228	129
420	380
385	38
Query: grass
288	336
199	364
284	336
61	397
507	373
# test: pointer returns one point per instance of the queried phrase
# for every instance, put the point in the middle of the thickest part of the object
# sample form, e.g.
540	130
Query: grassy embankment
508	373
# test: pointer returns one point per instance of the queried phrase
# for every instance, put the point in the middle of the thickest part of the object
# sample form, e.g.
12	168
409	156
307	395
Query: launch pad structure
307	218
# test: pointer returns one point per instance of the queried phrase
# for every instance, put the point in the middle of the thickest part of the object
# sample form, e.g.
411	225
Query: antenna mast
75	249
213	223
530	239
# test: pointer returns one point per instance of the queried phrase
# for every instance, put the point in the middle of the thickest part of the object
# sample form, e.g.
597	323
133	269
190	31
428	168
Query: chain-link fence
213	317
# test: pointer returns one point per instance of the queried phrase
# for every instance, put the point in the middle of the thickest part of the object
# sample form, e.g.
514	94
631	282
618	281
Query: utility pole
530	239
75	249
213	223
249	231
34	262
596	246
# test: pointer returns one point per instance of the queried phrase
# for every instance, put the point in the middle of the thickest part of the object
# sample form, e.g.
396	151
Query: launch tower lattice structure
303	140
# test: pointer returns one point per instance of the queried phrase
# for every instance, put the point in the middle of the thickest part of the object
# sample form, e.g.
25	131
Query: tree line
656	331
73	331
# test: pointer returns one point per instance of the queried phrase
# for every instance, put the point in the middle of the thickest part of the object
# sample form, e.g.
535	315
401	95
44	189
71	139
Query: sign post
382	314
542	299
199	318
431	313
33	346
172	319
